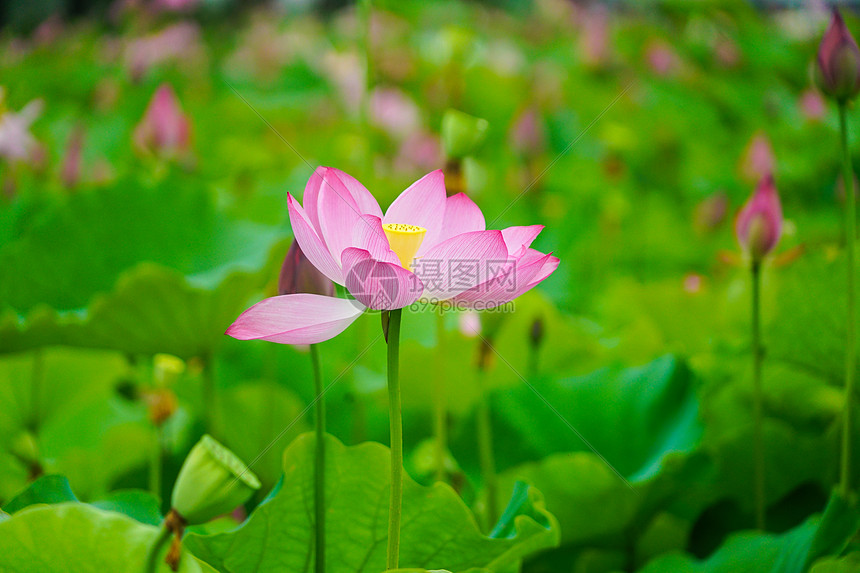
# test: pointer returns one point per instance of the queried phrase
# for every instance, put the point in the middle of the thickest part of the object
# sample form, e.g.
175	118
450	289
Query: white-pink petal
363	198
422	204
518	239
461	263
462	215
338	215
311	244
379	285
370	236
296	319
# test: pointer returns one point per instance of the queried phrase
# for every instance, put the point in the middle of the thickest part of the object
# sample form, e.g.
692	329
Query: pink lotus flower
758	159
426	246
164	129
16	141
394	112
594	44
759	223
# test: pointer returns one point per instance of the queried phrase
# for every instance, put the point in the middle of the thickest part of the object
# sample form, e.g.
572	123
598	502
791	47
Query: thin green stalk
758	437
36	376
850	331
156	463
440	415
485	449
319	465
396	421
210	415
154	551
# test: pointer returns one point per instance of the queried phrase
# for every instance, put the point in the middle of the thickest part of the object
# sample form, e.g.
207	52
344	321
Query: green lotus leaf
81	538
438	529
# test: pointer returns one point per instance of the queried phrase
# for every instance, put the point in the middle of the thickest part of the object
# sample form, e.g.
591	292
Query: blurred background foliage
632	131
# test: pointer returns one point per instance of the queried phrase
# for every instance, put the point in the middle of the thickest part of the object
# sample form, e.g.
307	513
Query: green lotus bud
167	369
212	482
462	133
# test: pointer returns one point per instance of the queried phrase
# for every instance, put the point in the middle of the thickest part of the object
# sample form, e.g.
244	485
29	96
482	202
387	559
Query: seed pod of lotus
212	482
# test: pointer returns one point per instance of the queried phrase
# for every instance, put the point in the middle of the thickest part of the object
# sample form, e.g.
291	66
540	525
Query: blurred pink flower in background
345	71
527	136
164	130
394	112
758	160
419	152
726	52
175	5
812	105
594	39
470	323
693	283
711	212
72	168
17	144
661	58
178	42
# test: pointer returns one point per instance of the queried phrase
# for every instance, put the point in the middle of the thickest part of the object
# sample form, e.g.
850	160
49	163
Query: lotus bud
299	275
212	482
837	69
462	134
759	223
164	130
167	369
758	159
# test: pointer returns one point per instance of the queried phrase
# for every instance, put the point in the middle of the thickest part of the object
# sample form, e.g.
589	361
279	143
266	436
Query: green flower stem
319	464
850	330
156	462
396	421
210	416
159	543
758	437
485	449
36	375
440	424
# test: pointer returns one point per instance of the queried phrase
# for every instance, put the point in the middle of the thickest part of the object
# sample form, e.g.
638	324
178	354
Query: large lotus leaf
81	538
791	552
59	279
438	529
78	427
848	564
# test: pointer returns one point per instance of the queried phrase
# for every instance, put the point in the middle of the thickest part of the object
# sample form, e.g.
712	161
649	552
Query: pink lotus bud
812	105
711	212
164	129
837	70
73	161
693	283
299	275
758	159
527	135
759	223
662	59
595	39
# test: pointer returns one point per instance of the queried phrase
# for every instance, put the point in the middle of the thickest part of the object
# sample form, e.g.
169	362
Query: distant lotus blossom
176	5
346	72
527	133
837	70
661	58
812	105
711	212
419	152
758	160
470	323
594	40
395	112
693	283
73	161
49	30
427	245
164	130
179	42
726	52
759	223
263	50
17	144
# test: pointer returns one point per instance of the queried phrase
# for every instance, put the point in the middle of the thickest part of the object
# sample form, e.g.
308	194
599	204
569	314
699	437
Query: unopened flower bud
759	223
837	69
212	482
462	134
167	369
165	130
299	275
